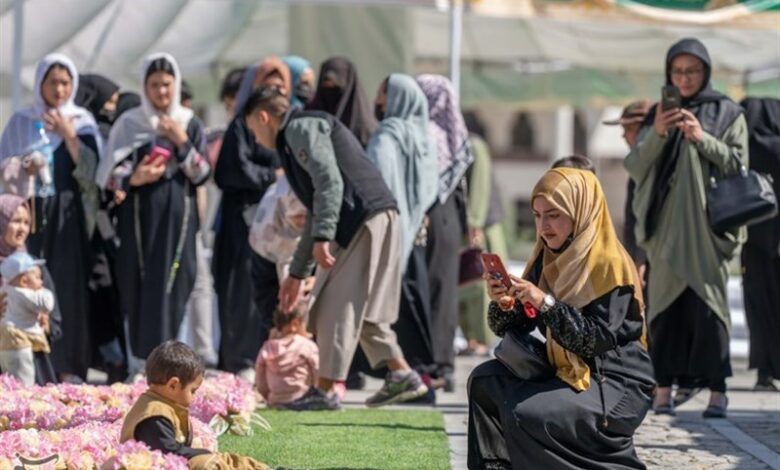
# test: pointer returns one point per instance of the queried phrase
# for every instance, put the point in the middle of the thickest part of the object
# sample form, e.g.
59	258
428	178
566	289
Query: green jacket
684	251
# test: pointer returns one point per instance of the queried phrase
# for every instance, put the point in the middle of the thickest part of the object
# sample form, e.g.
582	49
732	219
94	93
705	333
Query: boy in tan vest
160	417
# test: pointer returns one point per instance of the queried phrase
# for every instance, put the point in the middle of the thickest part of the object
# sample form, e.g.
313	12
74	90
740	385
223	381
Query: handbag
524	355
738	200
471	268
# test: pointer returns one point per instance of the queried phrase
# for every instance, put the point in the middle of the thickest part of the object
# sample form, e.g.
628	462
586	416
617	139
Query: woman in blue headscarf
303	80
407	159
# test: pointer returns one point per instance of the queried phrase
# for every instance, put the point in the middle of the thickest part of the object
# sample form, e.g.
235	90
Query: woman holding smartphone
63	208
678	151
587	301
155	154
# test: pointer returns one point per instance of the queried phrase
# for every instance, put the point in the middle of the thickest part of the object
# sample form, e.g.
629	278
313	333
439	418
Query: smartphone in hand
496	269
670	98
159	155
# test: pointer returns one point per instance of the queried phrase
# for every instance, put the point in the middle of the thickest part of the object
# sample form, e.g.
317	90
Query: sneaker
398	387
315	400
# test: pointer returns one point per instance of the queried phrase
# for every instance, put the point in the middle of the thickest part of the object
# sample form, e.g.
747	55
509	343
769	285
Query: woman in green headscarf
677	152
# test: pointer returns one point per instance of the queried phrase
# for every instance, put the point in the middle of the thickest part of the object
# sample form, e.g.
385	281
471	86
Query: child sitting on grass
288	363
160	417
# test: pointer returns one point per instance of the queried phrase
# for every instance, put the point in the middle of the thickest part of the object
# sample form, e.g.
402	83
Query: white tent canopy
207	37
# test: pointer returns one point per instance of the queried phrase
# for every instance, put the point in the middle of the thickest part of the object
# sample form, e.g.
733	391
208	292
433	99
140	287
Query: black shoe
116	373
717	411
315	400
665	409
765	387
684	394
355	381
429	399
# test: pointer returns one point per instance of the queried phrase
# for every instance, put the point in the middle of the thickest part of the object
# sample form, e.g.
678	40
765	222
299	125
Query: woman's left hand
172	130
690	126
526	292
56	122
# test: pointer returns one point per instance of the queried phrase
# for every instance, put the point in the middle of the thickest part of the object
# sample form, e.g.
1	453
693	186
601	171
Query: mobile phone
496	269
159	155
670	98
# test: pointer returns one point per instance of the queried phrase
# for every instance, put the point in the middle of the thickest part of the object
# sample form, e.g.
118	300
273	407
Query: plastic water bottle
46	172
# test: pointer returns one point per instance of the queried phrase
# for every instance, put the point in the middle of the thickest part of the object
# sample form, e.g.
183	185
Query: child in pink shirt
288	363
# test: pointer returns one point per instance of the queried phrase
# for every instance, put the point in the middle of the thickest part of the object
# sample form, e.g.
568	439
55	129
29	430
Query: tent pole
16	77
456	36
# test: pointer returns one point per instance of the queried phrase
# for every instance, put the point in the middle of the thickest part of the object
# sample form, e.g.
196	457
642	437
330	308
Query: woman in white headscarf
158	220
63	199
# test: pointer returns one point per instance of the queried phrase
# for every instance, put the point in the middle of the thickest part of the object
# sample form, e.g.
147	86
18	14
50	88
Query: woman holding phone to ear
155	154
588	301
677	153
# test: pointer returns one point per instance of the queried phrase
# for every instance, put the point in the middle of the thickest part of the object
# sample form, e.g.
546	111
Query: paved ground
749	439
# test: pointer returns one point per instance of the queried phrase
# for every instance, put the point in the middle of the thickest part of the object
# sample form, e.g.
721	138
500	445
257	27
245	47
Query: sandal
717	411
685	394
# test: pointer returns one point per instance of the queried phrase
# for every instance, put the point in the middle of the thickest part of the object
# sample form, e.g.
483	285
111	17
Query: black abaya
445	233
762	308
519	424
244	172
61	238
689	341
154	222
761	253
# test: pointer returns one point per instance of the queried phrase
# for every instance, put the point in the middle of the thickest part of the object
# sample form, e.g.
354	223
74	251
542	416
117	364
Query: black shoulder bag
738	200
524	355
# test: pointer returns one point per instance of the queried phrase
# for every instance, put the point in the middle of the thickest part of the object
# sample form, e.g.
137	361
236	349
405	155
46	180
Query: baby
288	363
24	325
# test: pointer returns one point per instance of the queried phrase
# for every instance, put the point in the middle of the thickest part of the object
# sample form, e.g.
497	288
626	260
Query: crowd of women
126	229
382	214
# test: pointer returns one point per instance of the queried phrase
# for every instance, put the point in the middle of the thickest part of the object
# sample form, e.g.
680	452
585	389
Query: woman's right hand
665	119
147	172
499	293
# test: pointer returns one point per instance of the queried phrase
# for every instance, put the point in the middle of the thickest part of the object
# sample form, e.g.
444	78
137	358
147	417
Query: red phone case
495	267
159	154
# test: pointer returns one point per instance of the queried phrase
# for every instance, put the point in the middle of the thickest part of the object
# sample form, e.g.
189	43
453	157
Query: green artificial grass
357	439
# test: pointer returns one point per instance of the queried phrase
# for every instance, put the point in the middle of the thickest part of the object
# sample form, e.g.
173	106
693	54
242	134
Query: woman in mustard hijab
585	289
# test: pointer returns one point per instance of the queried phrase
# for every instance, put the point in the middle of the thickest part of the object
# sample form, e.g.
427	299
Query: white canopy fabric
208	37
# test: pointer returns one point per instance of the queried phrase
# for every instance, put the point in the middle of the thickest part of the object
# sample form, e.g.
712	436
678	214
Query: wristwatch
547	303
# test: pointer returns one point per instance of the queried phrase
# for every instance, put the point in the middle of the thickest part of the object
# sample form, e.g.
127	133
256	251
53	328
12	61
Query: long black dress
761	253
244	172
445	234
61	238
546	424
157	224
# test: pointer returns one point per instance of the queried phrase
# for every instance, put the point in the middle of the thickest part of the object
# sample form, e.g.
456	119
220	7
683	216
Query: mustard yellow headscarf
594	264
